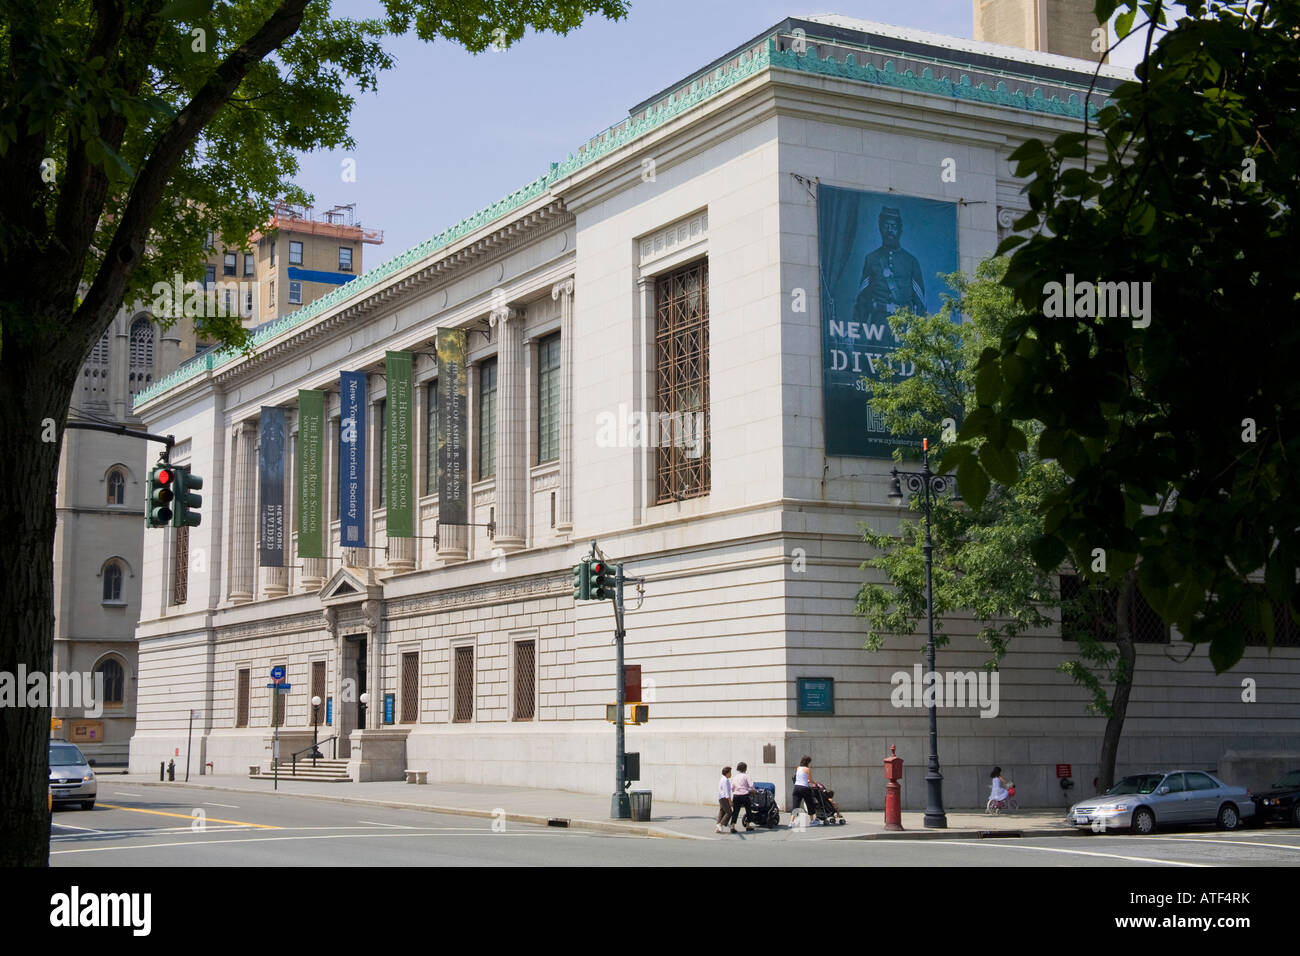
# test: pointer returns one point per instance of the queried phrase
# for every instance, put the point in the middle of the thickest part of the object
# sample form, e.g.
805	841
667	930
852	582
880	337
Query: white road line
1046	849
1163	839
336	836
123	793
229	806
395	826
69	826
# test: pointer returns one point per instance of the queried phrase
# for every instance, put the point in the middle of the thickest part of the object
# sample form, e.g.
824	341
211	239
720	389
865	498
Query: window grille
681	432
487	420
114	681
241	699
1093	611
181	586
116	487
525	685
548	399
410	687
464	684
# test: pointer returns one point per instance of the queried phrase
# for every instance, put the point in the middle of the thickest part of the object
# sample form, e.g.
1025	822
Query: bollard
171	769
893	791
162	770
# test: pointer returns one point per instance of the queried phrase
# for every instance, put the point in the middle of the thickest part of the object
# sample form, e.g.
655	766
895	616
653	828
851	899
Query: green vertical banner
400	480
452	402
311	430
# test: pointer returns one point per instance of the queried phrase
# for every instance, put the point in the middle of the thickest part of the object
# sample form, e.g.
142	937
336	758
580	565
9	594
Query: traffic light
602	581
582	581
158	513
187	504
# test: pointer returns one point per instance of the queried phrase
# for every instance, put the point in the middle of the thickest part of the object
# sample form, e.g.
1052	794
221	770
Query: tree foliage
1179	436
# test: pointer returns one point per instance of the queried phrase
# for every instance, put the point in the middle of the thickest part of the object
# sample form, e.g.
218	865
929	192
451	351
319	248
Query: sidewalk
588	811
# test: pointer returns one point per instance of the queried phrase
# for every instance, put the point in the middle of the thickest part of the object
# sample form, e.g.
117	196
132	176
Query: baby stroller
827	811
762	806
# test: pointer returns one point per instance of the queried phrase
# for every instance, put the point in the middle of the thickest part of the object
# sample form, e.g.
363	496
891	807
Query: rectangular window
272	252
209	276
1093	611
487	419
431	440
295	293
278	701
681	430
1285	632
181	580
271	294
241	699
248	302
249	267
229	299
210	241
464	684
228	264
345	258
318	690
525	686
410	687
295	253
548	399
334	471
381	407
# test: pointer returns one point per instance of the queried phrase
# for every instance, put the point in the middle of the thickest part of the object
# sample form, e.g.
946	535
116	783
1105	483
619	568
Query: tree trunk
35	389
1123	682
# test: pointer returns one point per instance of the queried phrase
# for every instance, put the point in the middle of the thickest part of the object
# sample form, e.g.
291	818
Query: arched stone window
112	575
95	373
141	370
116	486
114	682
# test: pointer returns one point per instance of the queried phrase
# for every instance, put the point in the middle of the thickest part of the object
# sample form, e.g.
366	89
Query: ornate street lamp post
929	486
315	727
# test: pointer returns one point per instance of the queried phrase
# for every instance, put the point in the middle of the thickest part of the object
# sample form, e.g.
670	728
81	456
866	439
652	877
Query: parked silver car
1143	801
71	779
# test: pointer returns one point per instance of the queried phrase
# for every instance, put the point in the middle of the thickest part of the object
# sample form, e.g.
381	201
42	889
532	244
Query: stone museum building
654	346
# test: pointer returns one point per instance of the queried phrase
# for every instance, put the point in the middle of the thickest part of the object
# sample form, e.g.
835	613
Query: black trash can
640	800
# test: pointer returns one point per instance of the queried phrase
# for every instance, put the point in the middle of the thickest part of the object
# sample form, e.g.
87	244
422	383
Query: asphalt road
137	827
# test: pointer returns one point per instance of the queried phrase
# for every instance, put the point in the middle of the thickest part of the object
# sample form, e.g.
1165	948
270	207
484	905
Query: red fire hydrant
893	790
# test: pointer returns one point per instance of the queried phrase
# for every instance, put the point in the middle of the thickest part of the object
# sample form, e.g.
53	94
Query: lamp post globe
315	727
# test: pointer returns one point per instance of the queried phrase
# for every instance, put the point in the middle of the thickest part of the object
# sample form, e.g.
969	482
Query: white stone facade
729	621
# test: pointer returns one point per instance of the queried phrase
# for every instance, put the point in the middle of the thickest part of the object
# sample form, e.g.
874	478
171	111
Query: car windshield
65	757
1139	783
1290	780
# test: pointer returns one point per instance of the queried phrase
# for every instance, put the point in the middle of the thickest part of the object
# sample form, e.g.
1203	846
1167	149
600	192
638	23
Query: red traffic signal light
164	476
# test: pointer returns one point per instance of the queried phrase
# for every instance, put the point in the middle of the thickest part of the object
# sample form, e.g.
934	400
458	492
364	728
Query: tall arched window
141	373
95	373
112	581
116	487
114	682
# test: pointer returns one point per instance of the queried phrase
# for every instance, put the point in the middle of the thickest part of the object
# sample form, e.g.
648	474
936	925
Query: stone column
243	512
401	554
563	290
644	399
511	419
373	612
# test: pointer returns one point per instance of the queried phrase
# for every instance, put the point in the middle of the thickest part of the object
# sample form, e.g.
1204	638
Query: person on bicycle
998	792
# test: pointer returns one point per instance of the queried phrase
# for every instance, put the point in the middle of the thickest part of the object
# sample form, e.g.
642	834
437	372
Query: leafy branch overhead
1174	422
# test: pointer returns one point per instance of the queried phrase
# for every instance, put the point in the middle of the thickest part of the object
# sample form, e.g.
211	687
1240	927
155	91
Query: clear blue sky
449	133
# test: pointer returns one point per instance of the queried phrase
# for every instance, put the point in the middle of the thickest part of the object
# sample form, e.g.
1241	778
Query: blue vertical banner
270	473
352	460
878	253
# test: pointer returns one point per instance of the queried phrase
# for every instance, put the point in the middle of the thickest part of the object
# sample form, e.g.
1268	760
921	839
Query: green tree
981	562
128	131
1174	413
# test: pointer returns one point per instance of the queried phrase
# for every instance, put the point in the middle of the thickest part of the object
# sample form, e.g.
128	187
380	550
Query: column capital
504	314
563	287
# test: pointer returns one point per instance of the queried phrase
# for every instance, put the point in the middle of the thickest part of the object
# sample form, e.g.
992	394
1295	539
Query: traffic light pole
167	440
620	807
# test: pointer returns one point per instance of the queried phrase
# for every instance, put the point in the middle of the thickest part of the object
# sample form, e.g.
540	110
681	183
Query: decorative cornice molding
537	587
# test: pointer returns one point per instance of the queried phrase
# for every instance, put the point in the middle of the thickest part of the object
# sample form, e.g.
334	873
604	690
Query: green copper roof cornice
762	57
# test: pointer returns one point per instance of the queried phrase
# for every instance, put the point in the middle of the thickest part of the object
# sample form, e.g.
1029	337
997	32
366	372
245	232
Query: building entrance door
351	712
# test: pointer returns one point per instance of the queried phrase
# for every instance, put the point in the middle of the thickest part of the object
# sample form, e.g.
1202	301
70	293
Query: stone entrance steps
325	771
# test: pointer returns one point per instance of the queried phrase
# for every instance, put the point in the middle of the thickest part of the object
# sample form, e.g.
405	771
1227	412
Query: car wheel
1295	813
1144	821
87	804
1228	817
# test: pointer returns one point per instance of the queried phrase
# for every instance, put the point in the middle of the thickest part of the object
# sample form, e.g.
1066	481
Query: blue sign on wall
816	695
329	711
388	708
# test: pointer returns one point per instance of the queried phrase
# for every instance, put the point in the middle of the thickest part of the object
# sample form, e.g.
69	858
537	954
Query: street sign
816	695
1063	770
283	688
277	673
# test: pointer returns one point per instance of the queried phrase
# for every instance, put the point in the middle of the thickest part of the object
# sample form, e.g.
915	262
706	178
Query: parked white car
1141	802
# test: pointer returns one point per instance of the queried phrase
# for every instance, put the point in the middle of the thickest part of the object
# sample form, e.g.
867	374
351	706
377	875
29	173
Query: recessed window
487	419
241	698
209	276
228	264
548	399
410	687
248	302
210	241
181	579
116	487
345	258
464	701
295	253
249	266
1094	611
272	252
525	686
431	440
381	409
681	432
270	293
114	682
295	293
112	583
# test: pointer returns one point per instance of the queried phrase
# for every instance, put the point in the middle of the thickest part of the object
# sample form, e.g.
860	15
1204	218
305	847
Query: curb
607	826
960	834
